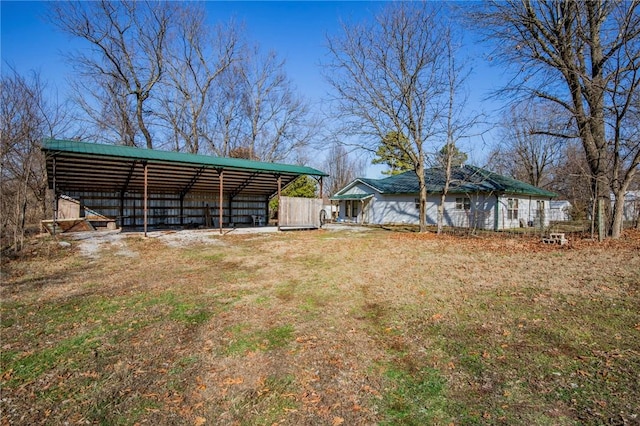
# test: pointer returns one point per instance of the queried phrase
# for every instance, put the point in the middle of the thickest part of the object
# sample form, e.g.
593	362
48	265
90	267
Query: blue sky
295	30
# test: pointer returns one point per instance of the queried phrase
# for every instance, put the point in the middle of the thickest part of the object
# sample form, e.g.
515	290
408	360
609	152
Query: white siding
481	214
532	211
393	209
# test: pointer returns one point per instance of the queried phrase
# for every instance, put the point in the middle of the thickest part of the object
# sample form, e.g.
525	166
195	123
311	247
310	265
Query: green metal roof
53	145
351	197
80	166
465	179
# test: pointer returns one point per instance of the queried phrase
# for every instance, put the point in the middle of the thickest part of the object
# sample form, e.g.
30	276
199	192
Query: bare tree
388	76
256	111
25	118
624	125
226	115
341	169
128	42
456	123
583	56
198	56
277	119
573	181
109	113
528	150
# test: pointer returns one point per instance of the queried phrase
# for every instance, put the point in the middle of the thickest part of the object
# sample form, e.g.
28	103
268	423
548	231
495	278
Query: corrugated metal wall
164	208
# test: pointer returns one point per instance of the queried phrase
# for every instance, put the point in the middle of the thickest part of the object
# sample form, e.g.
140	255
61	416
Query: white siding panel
394	209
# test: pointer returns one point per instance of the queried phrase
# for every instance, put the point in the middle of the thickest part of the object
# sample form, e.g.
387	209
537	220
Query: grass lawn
322	327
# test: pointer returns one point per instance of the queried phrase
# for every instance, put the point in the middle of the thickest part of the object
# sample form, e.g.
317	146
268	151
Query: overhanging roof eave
82	167
56	146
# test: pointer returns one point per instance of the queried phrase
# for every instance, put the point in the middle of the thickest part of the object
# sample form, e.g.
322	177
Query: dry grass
323	328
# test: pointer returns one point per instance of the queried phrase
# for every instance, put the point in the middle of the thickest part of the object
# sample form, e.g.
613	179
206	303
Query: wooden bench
555	238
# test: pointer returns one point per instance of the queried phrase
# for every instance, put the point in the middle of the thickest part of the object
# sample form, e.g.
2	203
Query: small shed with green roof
476	198
139	187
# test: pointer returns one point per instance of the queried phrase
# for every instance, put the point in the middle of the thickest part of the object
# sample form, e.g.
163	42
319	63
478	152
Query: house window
512	208
463	203
351	208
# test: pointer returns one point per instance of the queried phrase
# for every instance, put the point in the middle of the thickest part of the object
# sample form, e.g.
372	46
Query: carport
136	186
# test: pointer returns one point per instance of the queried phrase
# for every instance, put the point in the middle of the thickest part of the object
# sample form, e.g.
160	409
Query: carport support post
279	199
55	198
122	209
181	210
220	205
145	196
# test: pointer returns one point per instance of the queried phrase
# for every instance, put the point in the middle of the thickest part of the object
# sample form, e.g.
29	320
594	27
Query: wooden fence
295	212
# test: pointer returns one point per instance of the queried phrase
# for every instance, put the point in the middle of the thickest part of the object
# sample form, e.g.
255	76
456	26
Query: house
631	208
476	198
560	210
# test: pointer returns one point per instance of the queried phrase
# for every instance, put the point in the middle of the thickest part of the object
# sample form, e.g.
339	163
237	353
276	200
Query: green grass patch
414	398
108	411
506	354
182	309
67	352
243	341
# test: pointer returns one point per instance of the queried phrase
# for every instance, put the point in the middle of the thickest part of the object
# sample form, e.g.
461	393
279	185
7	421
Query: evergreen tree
393	152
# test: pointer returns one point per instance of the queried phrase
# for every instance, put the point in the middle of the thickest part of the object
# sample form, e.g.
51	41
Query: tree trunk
618	215
143	127
599	189
423	196
441	213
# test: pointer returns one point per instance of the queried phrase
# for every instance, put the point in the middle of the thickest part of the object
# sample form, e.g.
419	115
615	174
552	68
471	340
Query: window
463	203
512	208
351	208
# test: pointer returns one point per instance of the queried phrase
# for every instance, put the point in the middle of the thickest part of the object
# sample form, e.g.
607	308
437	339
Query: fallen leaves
337	421
436	317
233	381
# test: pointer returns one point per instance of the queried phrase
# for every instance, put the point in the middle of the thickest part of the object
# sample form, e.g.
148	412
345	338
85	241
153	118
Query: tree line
159	75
